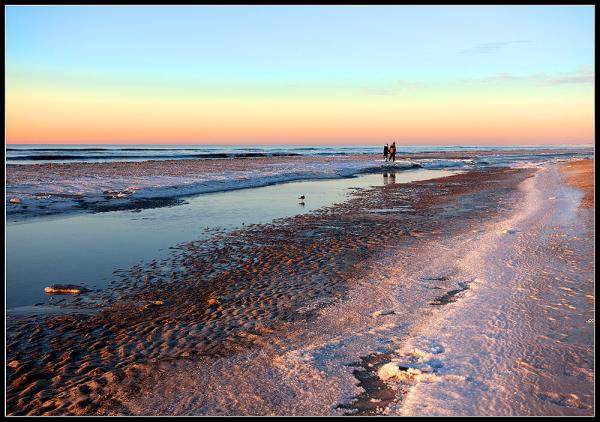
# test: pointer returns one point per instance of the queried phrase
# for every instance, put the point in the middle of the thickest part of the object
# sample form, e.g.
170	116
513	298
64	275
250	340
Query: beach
412	298
293	210
580	174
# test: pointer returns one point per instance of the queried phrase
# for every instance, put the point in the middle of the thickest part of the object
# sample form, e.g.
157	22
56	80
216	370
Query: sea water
56	153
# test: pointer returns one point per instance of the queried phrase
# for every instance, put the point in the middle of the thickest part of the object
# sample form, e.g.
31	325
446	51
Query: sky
419	75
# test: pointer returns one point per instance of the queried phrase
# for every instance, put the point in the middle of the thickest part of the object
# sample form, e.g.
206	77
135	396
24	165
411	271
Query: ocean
45	153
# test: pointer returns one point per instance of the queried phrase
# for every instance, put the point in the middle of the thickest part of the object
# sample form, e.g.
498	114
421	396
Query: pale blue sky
290	43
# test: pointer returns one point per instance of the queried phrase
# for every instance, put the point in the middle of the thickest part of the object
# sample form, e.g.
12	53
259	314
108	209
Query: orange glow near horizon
47	116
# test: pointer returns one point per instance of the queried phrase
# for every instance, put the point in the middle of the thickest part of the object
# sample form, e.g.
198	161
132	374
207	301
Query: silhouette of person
393	152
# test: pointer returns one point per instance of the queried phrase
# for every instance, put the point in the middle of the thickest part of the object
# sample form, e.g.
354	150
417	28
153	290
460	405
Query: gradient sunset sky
470	75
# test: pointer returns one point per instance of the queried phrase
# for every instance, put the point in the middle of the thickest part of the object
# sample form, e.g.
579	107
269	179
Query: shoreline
70	188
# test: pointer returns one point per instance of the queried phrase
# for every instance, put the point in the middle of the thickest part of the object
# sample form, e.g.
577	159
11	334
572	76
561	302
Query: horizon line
295	144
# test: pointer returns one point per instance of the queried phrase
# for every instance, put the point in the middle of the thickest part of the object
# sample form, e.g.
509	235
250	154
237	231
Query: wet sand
492	318
235	292
293	317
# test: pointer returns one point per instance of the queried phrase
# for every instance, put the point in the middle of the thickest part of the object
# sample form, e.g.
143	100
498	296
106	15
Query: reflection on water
389	178
87	249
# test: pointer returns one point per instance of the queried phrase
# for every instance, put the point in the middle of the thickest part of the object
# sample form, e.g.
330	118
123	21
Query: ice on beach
390	370
62	187
421	355
396	371
415	365
446	163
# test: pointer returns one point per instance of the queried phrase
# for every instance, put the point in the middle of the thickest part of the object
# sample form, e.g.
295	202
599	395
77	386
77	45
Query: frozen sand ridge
507	343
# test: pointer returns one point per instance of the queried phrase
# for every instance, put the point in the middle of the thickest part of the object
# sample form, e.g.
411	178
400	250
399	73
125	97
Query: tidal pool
86	249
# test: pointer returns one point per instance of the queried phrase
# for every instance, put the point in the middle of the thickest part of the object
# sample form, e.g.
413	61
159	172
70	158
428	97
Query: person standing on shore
393	152
385	152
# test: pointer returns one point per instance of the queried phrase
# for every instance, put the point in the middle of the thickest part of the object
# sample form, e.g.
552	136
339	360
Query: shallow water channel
86	249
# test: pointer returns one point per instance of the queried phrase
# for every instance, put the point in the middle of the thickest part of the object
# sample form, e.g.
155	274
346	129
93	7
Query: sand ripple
229	293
